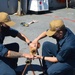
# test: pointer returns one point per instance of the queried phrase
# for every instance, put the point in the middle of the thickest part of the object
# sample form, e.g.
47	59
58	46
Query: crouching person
9	53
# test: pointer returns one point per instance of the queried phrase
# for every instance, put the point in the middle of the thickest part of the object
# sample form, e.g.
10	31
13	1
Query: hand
33	50
28	56
34	45
38	57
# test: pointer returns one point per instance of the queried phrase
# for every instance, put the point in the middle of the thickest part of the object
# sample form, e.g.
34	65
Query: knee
59	73
46	43
12	73
46	46
53	72
9	72
16	45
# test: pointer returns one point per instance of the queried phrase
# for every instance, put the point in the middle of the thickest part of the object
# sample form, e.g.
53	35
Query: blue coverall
7	65
65	55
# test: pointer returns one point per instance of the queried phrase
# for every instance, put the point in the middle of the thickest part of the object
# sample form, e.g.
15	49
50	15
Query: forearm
42	35
12	54
23	37
51	59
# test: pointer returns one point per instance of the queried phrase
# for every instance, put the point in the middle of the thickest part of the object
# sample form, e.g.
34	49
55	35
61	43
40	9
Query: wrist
22	55
29	43
43	58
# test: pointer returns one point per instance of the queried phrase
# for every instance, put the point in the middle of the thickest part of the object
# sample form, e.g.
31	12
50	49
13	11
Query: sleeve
63	54
11	32
3	50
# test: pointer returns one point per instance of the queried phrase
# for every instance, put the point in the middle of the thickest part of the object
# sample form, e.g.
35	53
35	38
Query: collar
62	41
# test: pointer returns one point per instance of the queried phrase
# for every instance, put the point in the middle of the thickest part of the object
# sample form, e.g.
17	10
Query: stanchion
67	3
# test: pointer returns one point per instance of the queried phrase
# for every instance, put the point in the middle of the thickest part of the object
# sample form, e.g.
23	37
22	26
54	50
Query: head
5	19
57	29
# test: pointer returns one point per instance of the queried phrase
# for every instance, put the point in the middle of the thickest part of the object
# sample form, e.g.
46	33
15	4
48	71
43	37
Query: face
58	35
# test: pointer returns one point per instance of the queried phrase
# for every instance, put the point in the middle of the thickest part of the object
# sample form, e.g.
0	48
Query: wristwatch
29	42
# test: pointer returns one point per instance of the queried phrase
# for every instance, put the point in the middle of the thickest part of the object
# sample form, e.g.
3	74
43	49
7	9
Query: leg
60	69
48	49
6	69
12	62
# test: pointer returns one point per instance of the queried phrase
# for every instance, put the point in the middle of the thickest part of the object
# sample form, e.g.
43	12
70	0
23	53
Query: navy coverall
7	65
64	50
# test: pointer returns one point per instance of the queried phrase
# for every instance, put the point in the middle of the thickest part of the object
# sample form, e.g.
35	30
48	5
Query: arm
12	32
13	54
35	41
42	35
34	45
51	59
4	52
23	37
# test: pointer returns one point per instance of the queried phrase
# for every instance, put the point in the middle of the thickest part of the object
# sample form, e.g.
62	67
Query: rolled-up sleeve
60	59
63	54
3	50
11	32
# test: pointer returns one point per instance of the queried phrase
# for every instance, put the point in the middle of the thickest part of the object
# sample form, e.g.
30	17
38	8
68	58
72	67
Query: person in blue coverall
58	58
9	53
